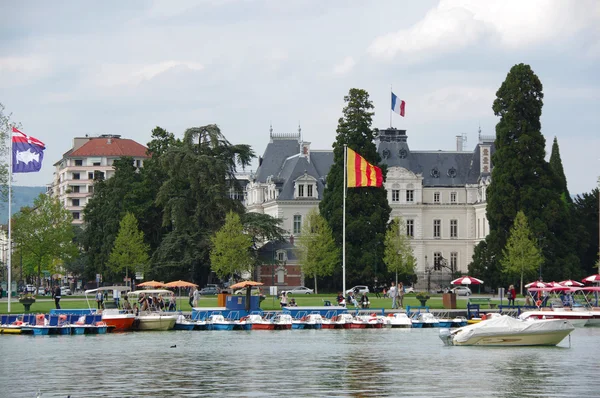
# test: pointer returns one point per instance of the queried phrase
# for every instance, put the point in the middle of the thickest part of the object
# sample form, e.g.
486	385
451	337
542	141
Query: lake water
385	362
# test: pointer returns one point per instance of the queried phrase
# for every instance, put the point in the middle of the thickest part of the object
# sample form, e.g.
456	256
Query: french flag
398	105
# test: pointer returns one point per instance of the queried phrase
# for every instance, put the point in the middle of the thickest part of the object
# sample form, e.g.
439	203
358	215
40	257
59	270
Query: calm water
293	363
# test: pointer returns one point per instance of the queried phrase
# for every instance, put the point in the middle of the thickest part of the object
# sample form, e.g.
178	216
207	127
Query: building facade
439	194
88	159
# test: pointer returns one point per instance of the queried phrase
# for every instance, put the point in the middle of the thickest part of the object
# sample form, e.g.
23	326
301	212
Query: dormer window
301	190
305	186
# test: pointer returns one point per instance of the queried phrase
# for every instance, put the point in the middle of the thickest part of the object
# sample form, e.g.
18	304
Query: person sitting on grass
292	303
364	301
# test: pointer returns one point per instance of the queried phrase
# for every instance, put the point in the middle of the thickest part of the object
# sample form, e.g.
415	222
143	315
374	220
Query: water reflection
292	363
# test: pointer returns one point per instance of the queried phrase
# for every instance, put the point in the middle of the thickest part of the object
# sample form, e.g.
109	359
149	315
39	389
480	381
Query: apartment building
90	158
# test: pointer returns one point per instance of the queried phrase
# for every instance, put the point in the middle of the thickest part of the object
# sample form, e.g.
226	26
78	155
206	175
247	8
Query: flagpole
391	93
8	256
344	221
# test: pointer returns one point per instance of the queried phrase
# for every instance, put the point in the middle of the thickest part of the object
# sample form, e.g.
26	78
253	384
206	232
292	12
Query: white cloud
344	67
454	103
456	24
127	74
18	70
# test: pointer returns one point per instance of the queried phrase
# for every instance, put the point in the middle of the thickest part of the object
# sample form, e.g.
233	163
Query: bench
482	300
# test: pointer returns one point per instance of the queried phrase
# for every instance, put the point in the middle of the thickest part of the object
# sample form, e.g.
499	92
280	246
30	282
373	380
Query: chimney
109	141
459	143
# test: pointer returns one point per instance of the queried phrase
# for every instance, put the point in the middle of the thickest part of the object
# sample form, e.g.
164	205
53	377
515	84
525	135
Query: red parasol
536	284
467	280
592	278
570	282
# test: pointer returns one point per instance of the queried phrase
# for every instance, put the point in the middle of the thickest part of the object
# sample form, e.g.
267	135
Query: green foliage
129	252
399	256
585	213
521	256
316	250
557	168
484	264
230	254
44	234
522	179
367	209
5	126
195	199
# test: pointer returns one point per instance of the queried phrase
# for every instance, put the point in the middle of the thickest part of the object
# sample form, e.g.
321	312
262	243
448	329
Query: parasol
467	280
179	284
152	284
536	284
592	278
570	282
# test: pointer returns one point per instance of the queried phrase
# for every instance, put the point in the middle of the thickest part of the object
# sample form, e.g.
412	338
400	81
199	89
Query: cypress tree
557	168
523	180
367	209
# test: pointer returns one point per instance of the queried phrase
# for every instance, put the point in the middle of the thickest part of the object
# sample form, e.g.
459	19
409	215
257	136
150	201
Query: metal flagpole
391	93
344	221
9	253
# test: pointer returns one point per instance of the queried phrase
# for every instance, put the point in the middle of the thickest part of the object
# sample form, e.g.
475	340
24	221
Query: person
352	299
340	300
191	300
172	304
57	297
283	301
401	292
116	297
364	301
126	305
376	289
393	294
528	300
510	295
196	296
99	299
293	303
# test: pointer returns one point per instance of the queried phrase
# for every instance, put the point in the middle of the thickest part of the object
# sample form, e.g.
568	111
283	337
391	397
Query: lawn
270	303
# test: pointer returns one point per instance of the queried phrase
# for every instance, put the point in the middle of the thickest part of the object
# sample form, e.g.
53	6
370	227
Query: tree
45	234
230	254
557	168
399	257
521	255
5	133
316	250
367	209
523	180
129	251
585	213
195	199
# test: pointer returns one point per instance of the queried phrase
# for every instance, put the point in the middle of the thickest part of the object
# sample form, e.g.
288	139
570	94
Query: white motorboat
398	320
504	330
425	320
151	317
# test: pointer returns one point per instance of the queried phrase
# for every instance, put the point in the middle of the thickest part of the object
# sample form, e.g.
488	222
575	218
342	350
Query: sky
70	68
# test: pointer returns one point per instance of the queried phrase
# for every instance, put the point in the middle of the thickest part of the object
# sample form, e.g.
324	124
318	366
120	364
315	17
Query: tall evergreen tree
557	168
367	209
585	211
522	179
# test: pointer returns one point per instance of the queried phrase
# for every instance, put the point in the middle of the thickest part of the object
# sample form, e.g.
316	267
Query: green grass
44	305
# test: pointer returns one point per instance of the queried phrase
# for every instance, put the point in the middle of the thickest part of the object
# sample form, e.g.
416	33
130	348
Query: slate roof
266	252
110	146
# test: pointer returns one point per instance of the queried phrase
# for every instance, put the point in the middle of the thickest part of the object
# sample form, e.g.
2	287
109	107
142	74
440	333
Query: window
75	215
453	261
75	202
297	224
138	163
281	256
437	257
395	195
90	176
436	197
75	188
437	228
280	276
454	228
309	189
76	176
300	190
452	197
78	162
410	228
410	194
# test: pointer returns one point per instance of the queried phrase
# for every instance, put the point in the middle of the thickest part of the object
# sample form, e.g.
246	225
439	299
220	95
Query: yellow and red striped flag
362	173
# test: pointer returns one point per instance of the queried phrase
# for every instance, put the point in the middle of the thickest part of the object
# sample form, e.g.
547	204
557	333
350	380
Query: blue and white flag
27	153
398	105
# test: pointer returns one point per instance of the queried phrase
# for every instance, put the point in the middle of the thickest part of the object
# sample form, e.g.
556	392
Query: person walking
510	295
191	300
196	296
57	297
284	299
393	294
99	299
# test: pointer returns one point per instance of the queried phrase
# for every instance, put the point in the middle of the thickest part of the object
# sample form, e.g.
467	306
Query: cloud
454	103
128	74
18	70
344	67
510	24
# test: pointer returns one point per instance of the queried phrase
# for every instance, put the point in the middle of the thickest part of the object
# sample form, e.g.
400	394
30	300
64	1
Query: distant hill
21	196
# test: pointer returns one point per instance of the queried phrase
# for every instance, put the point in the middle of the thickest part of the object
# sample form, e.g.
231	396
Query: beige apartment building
89	158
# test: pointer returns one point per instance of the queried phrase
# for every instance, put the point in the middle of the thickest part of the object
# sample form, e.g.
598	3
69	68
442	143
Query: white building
90	158
439	194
